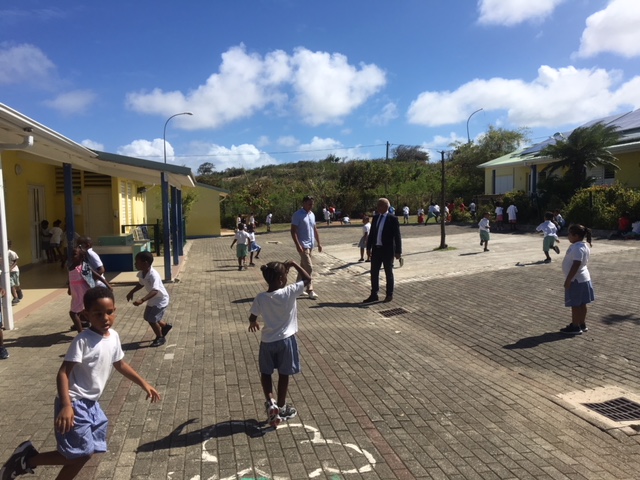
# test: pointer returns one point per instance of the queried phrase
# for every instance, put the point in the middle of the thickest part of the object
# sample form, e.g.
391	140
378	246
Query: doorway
37	213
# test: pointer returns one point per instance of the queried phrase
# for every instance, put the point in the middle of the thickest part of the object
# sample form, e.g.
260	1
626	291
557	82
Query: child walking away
242	239
512	213
485	230
81	278
14	276
550	230
80	424
278	346
253	246
499	217
366	228
578	290
157	297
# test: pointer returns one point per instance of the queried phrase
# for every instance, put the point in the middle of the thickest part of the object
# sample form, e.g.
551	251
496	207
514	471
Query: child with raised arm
550	230
157	297
578	290
80	423
278	346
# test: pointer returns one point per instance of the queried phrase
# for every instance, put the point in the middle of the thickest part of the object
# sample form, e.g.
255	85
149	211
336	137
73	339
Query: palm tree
585	148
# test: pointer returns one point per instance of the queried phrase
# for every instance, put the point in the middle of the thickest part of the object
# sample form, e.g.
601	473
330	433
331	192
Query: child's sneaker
273	413
15	301
571	329
18	463
166	329
584	327
556	249
287	412
158	342
4	354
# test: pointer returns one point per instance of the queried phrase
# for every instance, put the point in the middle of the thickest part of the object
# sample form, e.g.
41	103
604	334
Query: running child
157	297
366	228
253	246
578	290
14	276
242	239
485	231
81	278
550	230
278	346
80	424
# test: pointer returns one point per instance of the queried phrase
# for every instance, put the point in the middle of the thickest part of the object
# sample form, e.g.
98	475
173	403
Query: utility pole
387	157
443	244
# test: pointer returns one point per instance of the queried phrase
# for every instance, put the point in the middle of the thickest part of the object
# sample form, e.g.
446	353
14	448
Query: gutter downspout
4	266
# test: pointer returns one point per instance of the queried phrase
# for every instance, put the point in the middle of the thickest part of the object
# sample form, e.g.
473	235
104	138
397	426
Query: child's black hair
581	231
94	294
145	256
241	226
272	271
548	215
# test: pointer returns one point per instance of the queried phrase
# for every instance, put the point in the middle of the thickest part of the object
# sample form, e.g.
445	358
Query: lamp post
468	137
164	133
166	207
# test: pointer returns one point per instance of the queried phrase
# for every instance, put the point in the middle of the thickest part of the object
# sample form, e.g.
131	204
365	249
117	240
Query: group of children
245	242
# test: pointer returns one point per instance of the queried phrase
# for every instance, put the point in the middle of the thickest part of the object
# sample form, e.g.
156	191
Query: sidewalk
463	376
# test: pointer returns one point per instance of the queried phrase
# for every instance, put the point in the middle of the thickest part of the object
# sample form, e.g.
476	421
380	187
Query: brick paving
462	386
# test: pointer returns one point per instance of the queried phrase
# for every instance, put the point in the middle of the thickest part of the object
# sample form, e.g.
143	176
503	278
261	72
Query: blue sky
274	81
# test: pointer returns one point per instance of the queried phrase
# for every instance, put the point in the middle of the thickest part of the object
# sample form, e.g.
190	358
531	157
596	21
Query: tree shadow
532	342
614	318
252	428
46	340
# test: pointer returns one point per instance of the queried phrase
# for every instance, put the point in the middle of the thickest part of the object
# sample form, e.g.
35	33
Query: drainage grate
397	311
619	409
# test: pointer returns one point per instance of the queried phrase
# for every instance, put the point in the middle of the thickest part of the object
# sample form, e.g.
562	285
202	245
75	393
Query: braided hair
581	231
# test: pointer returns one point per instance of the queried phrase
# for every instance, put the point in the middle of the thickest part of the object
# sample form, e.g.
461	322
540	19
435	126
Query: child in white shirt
550	230
485	230
242	238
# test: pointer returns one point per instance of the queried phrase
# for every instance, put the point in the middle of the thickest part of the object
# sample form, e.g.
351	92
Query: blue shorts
89	432
282	355
154	314
578	294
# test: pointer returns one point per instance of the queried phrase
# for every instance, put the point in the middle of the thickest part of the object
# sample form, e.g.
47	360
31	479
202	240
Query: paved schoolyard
465	383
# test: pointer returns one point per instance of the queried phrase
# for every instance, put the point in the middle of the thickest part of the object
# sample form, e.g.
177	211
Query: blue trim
70	223
166	219
174	225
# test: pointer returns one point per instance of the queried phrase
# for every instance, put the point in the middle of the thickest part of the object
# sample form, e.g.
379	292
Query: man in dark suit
384	244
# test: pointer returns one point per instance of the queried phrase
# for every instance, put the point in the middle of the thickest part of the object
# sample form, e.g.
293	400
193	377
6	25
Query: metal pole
443	243
166	219
468	137
164	133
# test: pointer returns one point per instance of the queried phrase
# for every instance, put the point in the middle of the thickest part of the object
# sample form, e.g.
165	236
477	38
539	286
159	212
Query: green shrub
600	206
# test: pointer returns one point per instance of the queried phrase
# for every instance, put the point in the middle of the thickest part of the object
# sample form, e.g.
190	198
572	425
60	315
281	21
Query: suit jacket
391	240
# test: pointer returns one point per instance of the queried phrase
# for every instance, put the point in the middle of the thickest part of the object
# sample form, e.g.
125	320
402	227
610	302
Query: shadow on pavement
135	345
39	340
470	253
340	305
531	342
613	318
539	262
243	300
251	428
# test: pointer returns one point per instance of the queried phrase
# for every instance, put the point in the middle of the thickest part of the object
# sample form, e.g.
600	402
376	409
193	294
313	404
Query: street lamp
164	133
468	137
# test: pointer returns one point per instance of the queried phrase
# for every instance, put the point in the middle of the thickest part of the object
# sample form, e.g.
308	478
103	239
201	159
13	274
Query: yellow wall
629	173
204	218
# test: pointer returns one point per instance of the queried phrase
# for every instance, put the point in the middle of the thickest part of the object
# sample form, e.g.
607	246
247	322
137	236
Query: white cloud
263	141
614	29
556	97
513	12
320	148
151	150
92	145
441	142
389	112
71	103
24	64
324	88
246	156
288	141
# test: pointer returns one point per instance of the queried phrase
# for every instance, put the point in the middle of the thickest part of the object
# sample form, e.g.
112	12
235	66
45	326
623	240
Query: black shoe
18	463
371	299
571	329
166	329
584	327
388	298
158	341
556	249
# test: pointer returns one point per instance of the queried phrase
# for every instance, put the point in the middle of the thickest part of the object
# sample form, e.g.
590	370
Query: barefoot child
578	290
278	346
80	423
157	297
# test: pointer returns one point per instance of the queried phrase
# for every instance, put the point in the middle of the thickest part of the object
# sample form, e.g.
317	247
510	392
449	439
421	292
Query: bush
527	212
600	206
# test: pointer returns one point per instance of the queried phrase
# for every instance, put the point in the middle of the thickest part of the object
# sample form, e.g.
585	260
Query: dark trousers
378	259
